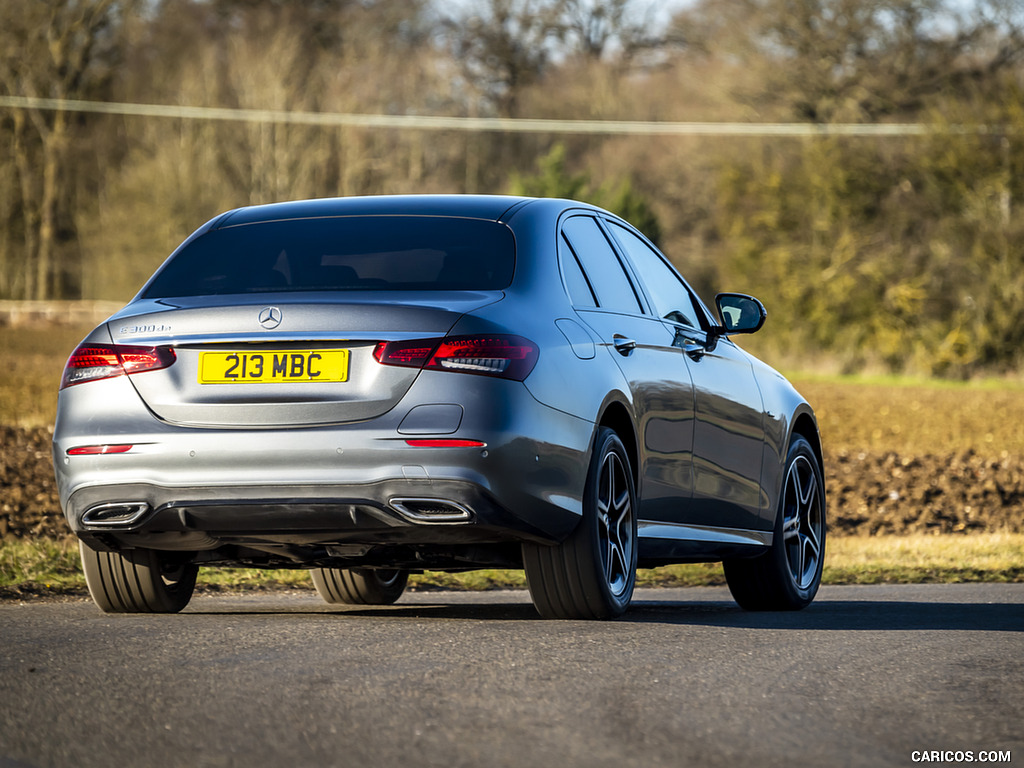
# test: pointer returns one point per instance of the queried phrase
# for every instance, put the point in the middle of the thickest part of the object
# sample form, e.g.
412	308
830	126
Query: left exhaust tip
120	514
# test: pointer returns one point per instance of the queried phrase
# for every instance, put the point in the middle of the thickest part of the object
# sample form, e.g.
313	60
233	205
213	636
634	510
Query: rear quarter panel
572	374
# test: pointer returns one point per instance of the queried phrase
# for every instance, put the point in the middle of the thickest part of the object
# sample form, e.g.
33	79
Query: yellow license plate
274	366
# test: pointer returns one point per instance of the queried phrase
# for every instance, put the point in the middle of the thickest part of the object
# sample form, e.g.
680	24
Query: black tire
787	577
360	586
138	580
591	575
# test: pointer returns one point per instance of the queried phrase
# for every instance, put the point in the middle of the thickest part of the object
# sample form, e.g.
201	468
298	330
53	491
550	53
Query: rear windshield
360	253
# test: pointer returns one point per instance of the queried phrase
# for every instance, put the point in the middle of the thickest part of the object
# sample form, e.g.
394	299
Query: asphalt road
866	676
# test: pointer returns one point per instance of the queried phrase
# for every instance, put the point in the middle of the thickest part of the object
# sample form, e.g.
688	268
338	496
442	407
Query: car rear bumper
351	485
382	513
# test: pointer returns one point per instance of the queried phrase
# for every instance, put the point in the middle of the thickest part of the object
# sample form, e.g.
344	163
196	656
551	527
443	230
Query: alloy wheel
615	524
802	522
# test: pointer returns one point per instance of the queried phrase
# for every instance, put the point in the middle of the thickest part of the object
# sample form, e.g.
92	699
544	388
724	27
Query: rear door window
672	300
576	283
606	275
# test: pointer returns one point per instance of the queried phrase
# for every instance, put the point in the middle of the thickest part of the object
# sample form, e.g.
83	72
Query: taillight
90	362
501	355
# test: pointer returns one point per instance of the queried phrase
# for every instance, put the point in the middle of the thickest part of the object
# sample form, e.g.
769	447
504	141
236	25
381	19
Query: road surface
867	676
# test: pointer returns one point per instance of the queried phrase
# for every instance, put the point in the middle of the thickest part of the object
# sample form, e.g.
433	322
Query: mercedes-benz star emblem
270	317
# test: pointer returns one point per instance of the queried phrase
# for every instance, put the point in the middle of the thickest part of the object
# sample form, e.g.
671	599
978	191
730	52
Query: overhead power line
476	124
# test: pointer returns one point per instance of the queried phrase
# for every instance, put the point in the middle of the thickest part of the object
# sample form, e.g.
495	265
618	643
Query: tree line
905	253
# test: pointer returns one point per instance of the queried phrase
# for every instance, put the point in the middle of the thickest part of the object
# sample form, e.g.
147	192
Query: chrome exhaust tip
120	514
431	510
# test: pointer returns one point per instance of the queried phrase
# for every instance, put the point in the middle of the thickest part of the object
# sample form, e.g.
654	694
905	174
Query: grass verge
992	557
49	567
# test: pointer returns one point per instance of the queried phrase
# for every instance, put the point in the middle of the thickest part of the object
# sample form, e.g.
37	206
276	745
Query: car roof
487	207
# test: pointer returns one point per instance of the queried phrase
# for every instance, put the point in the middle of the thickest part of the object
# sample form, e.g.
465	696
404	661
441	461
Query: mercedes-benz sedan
370	387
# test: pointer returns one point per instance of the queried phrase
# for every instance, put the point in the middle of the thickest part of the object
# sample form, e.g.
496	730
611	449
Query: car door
728	428
606	298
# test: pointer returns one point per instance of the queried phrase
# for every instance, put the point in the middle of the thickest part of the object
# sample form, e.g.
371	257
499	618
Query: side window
607	277
580	292
672	299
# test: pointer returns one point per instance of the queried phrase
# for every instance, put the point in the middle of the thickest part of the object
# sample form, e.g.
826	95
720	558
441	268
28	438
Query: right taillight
502	355
91	362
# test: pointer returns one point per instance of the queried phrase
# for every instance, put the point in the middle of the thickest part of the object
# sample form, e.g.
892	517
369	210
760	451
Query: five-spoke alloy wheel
591	575
788	575
802	522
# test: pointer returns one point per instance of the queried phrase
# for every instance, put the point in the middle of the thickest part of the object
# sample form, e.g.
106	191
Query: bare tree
593	28
853	60
54	50
505	46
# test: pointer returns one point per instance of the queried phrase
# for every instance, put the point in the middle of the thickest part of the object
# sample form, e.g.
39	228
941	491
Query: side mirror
739	314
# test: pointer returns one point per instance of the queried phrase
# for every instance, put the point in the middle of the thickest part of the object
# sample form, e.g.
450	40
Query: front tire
359	586
787	577
138	580
591	575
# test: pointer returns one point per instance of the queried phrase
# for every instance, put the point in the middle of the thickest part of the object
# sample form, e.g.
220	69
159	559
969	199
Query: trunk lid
283	360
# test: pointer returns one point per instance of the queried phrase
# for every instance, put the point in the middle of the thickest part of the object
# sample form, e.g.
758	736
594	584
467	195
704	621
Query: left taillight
501	355
90	362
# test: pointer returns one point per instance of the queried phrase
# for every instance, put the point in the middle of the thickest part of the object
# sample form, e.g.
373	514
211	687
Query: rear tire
138	580
359	586
787	577
591	575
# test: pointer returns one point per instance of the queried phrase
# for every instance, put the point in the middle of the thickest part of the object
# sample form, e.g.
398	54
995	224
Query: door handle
694	349
623	345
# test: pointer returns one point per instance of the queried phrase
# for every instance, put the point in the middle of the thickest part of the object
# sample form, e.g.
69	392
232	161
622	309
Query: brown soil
956	492
28	491
868	493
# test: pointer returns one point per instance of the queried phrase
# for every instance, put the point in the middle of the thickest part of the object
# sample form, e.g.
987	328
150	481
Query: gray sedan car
368	387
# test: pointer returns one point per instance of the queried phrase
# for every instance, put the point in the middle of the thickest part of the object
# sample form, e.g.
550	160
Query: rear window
362	253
